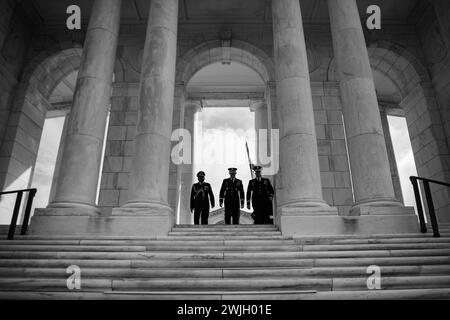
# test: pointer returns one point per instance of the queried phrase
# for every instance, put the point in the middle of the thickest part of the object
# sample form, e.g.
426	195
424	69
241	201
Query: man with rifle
261	192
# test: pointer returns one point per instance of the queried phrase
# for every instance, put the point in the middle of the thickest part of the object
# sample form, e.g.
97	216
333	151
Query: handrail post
12	227
423	226
26	217
431	211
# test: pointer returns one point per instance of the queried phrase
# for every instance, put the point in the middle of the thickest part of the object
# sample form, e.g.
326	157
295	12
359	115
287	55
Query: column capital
193	105
255	104
391	108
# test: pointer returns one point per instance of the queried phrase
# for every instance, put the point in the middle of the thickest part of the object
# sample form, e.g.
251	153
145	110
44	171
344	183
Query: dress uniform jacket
201	196
232	193
260	191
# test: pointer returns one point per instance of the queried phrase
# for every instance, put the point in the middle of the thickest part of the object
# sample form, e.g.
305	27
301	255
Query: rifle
249	161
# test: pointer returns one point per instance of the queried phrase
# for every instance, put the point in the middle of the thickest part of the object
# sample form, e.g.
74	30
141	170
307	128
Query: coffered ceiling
53	12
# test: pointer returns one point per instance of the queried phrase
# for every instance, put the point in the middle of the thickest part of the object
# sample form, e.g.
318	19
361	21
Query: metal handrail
26	218
429	197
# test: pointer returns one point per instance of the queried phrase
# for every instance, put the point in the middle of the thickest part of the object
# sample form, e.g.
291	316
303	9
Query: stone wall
335	175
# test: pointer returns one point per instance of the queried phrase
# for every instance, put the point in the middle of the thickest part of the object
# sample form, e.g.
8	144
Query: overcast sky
404	157
46	159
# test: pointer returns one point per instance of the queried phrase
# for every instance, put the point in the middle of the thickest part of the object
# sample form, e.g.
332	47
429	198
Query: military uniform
232	191
201	196
261	192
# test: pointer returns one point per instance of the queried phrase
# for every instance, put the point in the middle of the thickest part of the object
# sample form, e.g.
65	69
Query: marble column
149	176
187	175
299	164
442	10
261	123
391	156
80	164
175	169
366	146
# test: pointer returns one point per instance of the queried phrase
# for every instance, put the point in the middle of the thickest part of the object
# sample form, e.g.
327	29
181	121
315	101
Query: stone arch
418	101
29	108
211	52
396	63
27	115
193	61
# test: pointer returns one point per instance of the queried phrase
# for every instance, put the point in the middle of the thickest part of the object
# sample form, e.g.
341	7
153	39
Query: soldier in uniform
232	191
201	196
261	192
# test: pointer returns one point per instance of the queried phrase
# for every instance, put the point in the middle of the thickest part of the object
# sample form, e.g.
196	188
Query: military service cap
232	170
257	168
200	173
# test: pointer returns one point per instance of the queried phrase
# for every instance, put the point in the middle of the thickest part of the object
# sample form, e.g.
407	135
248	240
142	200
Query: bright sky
46	159
404	157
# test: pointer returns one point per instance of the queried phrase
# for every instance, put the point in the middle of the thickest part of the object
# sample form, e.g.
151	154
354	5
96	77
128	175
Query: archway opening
225	125
397	138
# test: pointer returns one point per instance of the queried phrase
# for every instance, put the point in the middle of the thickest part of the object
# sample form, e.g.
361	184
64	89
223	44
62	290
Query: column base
68	207
320	222
378	205
137	222
56	221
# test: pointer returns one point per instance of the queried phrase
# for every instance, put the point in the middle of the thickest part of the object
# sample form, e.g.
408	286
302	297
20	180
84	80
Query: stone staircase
227	262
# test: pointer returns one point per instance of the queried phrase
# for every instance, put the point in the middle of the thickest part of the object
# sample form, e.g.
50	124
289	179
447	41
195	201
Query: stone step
376	241
227	237
215	255
405	282
13	284
409	294
224	263
371	236
152	243
195	229
225	226
250	284
382	246
182	247
195	243
154	247
189	238
72	248
219	273
194	237
381	261
223	233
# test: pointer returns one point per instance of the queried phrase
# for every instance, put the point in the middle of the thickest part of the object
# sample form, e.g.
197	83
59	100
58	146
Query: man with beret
261	192
201	196
232	193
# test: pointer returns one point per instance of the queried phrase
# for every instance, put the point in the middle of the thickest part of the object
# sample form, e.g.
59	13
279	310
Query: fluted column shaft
261	123
366	145
80	164
299	164
149	176
187	176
